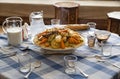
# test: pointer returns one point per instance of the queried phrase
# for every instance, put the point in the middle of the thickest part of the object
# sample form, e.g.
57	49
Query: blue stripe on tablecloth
10	63
34	76
3	37
77	77
96	66
117	58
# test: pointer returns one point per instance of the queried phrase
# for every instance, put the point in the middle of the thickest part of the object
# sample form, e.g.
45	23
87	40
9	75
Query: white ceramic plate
47	50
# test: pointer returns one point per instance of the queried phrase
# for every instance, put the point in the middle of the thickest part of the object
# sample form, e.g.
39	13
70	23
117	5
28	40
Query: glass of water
55	21
92	26
24	62
106	50
70	61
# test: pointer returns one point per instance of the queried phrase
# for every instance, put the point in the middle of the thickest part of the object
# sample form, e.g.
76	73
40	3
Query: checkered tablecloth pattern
52	66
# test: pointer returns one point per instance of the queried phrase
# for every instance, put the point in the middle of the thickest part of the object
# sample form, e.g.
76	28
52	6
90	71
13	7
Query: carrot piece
62	44
47	44
73	40
43	40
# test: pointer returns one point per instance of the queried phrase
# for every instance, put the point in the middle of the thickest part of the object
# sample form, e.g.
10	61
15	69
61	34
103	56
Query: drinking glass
92	26
91	40
70	61
55	21
24	62
12	27
102	36
106	50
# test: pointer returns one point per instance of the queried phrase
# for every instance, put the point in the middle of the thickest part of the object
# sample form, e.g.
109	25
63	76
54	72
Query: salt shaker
25	31
91	41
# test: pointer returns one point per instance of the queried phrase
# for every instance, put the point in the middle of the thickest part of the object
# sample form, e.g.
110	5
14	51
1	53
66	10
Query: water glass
70	61
106	50
24	62
92	26
55	21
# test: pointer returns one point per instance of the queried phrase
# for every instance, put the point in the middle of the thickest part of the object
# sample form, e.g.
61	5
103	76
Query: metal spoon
34	65
109	63
103	60
83	73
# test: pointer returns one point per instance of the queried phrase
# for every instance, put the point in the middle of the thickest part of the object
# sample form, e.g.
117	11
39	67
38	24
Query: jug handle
4	30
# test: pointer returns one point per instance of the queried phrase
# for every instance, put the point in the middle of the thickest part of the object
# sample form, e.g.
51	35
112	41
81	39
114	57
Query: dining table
52	65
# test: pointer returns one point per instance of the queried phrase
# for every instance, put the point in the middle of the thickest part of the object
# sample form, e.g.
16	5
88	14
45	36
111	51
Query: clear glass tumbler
70	61
106	50
92	26
24	62
55	21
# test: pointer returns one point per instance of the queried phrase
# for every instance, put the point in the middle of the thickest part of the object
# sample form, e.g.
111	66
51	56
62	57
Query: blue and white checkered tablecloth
52	66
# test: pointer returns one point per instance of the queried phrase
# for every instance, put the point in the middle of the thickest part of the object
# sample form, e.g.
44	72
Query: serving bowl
58	39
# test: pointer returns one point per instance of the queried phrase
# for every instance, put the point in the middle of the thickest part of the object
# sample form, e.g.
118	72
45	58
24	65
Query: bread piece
77	26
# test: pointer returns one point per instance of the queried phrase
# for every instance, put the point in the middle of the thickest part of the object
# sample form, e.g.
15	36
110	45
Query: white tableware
47	50
59	40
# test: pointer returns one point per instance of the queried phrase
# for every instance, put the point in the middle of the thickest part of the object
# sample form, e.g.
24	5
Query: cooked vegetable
62	44
43	40
55	44
58	38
